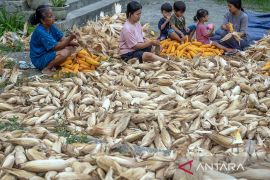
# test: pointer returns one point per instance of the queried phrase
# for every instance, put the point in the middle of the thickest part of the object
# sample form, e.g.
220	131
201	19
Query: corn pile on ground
188	49
9	73
212	110
203	110
266	68
81	62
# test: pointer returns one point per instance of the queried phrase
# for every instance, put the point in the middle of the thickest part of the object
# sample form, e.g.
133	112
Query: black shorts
136	54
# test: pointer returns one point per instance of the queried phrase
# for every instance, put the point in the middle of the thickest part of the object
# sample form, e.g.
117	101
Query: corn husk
138	121
45	165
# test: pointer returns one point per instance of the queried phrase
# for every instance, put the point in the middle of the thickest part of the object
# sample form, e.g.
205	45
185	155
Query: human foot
48	72
231	52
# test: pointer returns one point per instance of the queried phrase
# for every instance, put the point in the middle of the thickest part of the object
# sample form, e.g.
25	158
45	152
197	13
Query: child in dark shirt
178	23
164	23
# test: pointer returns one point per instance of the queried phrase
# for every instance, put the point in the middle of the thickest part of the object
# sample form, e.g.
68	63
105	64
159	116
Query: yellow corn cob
91	61
231	27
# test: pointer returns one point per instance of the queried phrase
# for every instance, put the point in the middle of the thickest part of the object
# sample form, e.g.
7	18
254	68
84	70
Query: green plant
58	3
30	29
9	64
17	46
10	22
4	84
81	138
62	130
11	125
110	59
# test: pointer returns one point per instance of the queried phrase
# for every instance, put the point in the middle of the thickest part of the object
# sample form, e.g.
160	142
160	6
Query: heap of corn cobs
260	52
9	73
188	49
266	68
81	62
207	108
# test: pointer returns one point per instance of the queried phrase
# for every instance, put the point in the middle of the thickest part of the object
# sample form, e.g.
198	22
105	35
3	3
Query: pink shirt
202	34
131	35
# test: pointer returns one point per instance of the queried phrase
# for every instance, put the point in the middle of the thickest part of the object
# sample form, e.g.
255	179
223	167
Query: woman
239	20
48	47
132	43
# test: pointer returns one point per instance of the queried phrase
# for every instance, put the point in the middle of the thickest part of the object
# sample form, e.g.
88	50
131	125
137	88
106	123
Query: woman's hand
242	34
66	42
224	27
73	43
72	36
155	42
228	27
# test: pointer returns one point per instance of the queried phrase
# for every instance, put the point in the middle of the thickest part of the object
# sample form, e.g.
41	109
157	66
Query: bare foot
48	72
231	51
53	69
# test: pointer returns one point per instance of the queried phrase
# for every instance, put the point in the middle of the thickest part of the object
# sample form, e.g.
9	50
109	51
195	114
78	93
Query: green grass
4	84
10	22
62	130
15	23
256	5
11	125
9	64
18	46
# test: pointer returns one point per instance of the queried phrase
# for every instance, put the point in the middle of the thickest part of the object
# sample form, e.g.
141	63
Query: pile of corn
81	62
266	68
188	49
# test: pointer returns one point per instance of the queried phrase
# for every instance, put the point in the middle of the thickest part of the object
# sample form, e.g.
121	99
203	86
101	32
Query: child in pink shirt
203	33
132	43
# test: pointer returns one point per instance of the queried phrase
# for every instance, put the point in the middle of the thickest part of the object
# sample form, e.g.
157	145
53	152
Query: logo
181	166
221	167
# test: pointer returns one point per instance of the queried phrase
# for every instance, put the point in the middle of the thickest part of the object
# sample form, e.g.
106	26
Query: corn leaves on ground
188	50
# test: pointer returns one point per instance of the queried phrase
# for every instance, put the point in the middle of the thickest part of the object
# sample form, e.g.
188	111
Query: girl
239	19
48	47
132	43
203	33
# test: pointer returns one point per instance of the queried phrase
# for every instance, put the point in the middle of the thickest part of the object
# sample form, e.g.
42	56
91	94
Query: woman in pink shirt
132	43
203	33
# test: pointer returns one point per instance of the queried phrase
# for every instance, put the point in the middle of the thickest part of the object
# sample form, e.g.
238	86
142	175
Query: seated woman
239	20
48	47
132	43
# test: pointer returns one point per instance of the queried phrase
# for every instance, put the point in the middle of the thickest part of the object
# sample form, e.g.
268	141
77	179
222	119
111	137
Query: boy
164	23
178	22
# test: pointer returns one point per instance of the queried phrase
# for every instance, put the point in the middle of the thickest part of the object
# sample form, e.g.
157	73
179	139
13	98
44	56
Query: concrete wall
14	6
